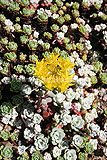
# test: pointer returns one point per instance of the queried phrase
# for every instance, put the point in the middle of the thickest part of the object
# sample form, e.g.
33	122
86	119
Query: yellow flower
54	72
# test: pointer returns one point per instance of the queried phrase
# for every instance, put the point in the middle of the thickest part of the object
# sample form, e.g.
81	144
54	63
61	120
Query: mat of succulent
53	80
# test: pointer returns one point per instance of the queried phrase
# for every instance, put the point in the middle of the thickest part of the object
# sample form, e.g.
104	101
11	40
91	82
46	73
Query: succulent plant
83	29
22	56
4	3
14	6
98	66
80	46
32	44
56	50
14	136
60	20
64	54
17	27
23	158
46	46
23	39
4	41
12	46
75	13
24	3
43	17
28	68
17	99
94	79
16	86
4	135
2	18
11	56
54	8
37	156
75	5
19	68
59	3
61	12
82	156
48	35
6	108
103	77
27	29
66	40
7	152
55	28
67	17
68	46
33	58
26	12
89	148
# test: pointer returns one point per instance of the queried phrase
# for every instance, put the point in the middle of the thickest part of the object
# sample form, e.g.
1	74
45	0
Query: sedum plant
55	28
61	12
17	100
14	136
4	41
48	35
60	20
2	18
6	152
28	69
98	66
12	46
15	86
4	135
17	27
68	46
64	54
66	40
82	156
33	58
4	70
4	3
46	46
27	12
80	46
89	148
19	68
83	29
67	17
55	73
103	77
22	56
13	6
56	50
32	44
37	156
94	79
24	39
54	8
75	13
43	17
75	5
46	53
59	3
23	157
5	108
11	56
27	29
24	3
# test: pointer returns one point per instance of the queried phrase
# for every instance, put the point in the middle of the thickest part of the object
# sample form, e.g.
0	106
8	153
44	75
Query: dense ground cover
53	79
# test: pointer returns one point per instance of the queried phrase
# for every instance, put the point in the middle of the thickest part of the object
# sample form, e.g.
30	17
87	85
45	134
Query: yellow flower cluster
54	72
